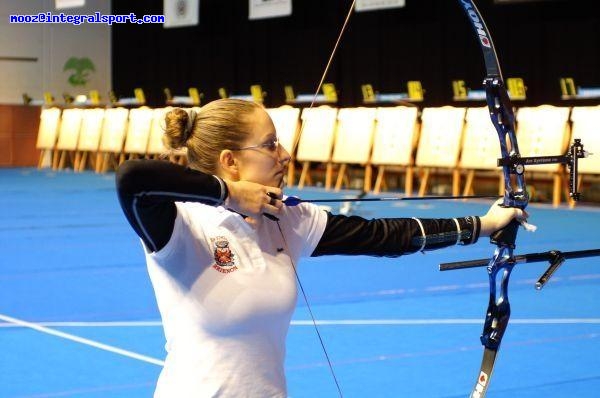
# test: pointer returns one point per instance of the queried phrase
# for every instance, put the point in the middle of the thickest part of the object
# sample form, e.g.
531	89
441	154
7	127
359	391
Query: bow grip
506	236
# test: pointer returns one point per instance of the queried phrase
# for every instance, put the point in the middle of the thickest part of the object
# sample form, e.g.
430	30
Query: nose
284	155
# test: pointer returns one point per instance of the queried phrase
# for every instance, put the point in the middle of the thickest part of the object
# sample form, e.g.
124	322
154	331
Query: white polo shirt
226	291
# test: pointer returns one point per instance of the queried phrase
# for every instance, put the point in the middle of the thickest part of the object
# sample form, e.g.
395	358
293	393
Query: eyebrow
271	135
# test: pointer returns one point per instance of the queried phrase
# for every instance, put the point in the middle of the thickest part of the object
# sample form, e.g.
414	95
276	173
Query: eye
272	145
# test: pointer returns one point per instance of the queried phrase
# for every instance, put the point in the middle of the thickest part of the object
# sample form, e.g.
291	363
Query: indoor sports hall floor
78	317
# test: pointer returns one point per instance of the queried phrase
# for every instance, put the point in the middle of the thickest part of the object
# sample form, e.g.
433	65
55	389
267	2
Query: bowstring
314	322
327	66
296	141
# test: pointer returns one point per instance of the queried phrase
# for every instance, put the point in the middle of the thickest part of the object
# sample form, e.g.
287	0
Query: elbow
126	176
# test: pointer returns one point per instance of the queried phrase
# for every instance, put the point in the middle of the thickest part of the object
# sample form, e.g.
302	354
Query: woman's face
261	158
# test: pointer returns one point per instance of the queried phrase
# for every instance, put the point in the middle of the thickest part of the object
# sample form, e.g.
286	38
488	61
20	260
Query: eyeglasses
271	145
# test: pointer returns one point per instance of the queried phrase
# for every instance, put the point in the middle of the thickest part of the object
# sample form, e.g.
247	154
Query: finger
275	193
522	215
271	212
273	204
275	200
272	198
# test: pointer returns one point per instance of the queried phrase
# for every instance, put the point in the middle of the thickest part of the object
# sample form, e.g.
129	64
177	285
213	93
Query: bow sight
570	159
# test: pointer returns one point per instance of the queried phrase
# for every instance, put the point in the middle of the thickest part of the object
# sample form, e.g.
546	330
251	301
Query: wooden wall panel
18	132
5	135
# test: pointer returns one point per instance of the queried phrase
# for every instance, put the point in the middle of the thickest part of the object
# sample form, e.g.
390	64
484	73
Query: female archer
223	273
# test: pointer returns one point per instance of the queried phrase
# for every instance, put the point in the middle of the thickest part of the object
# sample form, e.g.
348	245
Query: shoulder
303	226
305	217
303	210
202	212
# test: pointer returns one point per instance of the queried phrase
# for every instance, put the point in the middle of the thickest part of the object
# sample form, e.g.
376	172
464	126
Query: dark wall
428	40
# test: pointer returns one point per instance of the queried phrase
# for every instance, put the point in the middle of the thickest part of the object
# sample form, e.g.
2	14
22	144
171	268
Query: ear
229	164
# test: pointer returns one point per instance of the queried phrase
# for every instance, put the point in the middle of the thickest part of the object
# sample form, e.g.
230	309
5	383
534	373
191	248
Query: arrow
294	200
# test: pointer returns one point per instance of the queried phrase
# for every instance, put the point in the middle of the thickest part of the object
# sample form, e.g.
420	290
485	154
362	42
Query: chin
278	181
275	183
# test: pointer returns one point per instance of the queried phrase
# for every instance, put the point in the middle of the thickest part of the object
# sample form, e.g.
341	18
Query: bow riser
503	119
498	313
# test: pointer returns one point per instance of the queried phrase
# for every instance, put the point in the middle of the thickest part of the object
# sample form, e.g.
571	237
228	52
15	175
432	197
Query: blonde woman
221	248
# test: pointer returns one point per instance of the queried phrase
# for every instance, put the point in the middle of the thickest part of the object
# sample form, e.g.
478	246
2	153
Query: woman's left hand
498	217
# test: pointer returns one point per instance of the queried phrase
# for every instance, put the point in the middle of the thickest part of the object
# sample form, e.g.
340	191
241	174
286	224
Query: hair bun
179	124
189	127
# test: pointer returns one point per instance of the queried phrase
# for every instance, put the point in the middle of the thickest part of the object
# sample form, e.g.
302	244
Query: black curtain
428	40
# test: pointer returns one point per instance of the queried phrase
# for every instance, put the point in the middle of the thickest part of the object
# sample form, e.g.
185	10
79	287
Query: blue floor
72	266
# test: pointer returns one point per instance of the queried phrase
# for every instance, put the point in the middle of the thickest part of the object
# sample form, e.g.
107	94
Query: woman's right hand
252	199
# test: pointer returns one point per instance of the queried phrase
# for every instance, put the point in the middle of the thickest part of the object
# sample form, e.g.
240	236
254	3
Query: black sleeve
392	237
148	190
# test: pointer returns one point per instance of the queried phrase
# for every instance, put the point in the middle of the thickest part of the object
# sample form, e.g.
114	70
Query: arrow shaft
400	198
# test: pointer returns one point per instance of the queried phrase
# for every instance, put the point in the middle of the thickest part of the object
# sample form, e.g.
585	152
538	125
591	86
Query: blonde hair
218	125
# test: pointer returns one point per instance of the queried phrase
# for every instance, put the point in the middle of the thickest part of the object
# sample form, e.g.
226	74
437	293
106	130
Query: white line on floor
81	340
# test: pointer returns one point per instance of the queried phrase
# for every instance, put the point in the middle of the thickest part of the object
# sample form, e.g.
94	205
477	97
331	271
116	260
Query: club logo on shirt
223	255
